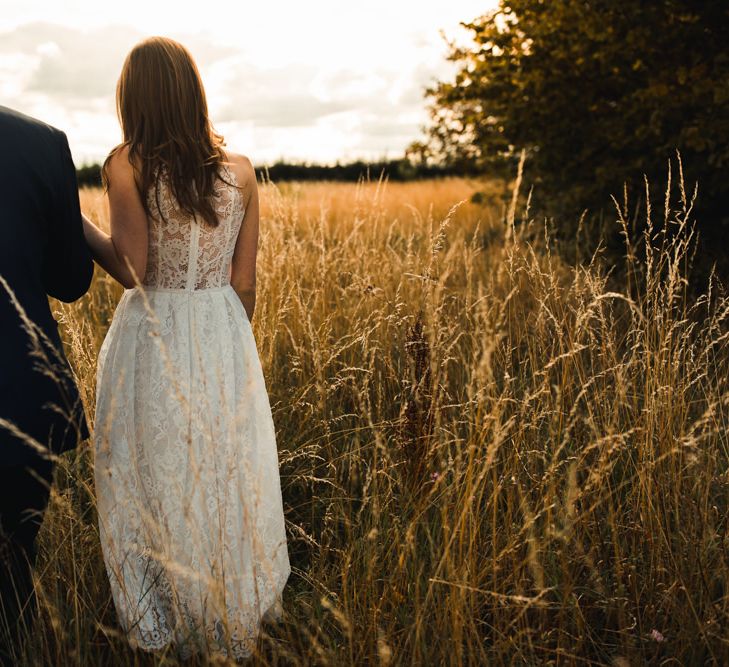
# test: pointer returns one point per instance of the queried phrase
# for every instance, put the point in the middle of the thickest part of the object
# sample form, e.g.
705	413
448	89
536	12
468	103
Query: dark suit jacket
42	252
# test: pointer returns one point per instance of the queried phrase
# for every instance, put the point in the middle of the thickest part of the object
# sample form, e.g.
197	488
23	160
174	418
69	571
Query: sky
303	80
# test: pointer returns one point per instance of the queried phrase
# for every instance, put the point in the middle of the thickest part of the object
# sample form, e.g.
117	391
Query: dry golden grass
487	456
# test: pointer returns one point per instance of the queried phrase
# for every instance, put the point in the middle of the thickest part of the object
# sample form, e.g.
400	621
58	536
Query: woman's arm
243	276
123	253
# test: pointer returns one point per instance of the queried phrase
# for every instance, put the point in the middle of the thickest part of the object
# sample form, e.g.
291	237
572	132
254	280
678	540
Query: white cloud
321	80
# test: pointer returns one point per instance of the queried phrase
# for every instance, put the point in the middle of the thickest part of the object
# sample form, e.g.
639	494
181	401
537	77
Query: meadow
487	456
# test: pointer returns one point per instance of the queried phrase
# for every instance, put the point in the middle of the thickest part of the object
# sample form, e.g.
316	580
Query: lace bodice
184	253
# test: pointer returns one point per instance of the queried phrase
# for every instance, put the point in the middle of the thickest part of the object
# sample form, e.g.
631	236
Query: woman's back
187	254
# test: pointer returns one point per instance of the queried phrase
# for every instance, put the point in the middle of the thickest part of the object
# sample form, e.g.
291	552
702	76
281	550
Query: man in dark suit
42	252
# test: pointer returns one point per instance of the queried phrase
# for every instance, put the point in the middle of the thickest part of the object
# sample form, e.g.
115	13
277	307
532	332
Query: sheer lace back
185	253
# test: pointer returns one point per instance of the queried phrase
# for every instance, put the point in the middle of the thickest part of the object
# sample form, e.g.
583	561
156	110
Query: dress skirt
186	471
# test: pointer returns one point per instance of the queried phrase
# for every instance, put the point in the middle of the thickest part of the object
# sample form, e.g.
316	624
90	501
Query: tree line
402	169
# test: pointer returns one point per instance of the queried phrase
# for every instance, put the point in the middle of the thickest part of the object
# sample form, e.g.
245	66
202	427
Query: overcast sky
318	80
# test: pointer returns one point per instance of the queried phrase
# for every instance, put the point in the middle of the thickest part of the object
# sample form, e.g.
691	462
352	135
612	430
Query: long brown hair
163	112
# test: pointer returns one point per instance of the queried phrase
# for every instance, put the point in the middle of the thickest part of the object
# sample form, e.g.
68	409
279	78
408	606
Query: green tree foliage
599	93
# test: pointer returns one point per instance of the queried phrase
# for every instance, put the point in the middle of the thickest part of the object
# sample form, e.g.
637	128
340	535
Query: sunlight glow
320	80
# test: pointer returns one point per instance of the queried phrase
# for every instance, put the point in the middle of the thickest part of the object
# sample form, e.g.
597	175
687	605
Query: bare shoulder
119	156
243	169
119	166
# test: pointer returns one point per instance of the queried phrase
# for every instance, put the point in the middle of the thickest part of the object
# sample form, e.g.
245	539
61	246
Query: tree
598	92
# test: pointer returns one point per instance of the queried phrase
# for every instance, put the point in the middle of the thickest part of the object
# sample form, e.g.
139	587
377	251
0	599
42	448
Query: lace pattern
184	253
186	466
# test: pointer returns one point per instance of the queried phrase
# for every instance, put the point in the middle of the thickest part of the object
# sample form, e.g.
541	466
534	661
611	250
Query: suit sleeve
68	266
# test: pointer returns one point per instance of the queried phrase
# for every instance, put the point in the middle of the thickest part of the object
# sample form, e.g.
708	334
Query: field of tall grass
487	456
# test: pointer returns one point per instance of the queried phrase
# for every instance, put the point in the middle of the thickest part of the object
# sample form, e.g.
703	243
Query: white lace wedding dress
186	467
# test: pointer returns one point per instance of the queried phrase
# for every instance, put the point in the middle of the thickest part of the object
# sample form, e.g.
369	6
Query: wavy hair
163	113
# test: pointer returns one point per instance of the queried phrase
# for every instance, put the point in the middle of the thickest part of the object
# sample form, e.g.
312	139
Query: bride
186	467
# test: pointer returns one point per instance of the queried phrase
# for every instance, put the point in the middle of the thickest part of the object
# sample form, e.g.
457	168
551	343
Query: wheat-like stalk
487	456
